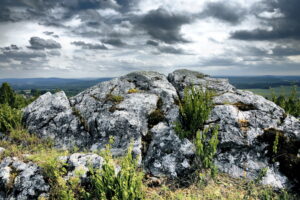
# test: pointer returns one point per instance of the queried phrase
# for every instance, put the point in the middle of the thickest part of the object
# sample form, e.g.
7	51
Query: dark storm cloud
224	61
290	50
20	55
84	45
39	43
48	33
11	47
114	42
285	27
224	11
152	43
164	25
171	50
41	9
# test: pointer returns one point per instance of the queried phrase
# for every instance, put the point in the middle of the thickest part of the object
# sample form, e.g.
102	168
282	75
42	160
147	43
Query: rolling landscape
262	85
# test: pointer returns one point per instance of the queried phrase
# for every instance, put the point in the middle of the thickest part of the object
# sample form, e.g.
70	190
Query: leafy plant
10	118
194	110
291	103
206	149
9	97
107	184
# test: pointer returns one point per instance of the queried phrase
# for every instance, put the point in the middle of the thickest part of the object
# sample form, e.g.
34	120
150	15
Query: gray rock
2	150
78	164
291	127
120	108
51	116
183	78
89	119
167	154
21	181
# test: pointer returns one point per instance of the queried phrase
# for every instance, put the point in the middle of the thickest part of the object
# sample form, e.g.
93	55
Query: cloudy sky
100	38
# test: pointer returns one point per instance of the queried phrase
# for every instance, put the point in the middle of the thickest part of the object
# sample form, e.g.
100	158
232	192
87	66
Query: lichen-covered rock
51	116
243	117
20	180
78	164
122	107
183	78
167	154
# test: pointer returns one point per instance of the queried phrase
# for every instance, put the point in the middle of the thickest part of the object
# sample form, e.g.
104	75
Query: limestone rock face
121	108
51	116
19	180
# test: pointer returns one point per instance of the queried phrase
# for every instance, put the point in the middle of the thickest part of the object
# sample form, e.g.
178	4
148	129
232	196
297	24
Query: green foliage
10	118
20	142
206	149
261	175
194	110
54	171
125	185
9	97
114	98
291	103
6	94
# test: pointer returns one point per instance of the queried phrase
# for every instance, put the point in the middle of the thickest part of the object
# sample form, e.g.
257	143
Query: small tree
6	94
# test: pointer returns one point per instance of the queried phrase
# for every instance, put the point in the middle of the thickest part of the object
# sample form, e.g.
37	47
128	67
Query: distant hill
262	82
70	86
74	86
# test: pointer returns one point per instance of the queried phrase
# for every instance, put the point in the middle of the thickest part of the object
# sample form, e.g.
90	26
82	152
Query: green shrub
6	94
291	103
125	185
194	110
10	118
9	97
206	149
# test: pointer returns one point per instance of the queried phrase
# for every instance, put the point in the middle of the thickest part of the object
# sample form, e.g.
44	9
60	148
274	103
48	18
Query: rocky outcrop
141	108
20	180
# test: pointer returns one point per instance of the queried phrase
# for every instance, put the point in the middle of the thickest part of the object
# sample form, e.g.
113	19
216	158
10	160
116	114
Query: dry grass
223	187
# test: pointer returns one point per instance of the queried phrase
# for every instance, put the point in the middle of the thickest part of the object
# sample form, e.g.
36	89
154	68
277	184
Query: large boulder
141	108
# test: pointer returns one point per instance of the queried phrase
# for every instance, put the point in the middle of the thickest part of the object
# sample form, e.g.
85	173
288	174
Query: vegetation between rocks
194	110
290	103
